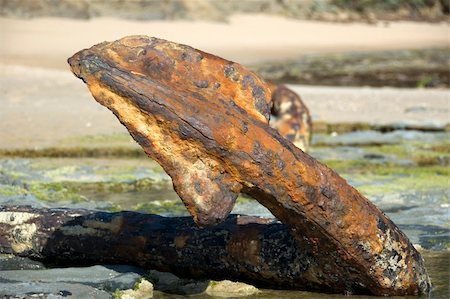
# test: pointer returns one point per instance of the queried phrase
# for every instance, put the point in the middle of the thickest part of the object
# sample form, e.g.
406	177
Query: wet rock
370	137
142	290
423	125
27	200
108	278
170	283
12	262
191	287
163	280
372	156
51	290
227	289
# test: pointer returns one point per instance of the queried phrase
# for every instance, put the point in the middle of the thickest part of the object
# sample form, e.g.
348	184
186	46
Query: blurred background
374	74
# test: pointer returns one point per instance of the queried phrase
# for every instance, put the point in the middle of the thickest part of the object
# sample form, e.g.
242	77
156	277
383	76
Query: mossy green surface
376	178
78	180
87	146
163	207
10	190
74	152
55	192
117	294
421	154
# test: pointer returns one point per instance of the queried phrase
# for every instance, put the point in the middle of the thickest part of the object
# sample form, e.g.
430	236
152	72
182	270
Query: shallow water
437	263
404	173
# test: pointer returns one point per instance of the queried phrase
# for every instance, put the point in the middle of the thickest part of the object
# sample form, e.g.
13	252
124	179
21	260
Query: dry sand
245	38
41	102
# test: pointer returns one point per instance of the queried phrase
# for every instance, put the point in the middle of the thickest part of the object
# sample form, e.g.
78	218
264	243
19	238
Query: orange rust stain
180	241
245	246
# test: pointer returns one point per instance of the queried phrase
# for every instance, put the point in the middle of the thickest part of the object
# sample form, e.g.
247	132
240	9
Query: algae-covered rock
142	290
227	288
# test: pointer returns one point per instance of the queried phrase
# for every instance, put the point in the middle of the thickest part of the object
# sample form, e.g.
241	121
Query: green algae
118	169
172	207
163	207
433	152
74	152
426	170
422	155
99	181
87	146
77	191
146	184
391	177
440	148
55	192
10	190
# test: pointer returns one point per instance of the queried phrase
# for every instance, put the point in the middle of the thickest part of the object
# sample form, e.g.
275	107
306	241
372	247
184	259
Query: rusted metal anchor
206	121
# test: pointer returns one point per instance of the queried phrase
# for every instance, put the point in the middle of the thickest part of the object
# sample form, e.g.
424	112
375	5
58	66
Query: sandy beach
246	39
42	102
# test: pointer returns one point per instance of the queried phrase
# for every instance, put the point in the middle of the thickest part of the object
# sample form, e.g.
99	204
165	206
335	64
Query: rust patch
246	246
292	117
115	226
180	241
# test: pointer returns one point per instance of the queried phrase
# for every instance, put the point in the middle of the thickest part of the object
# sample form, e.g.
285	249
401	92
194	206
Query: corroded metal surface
291	117
251	249
205	120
